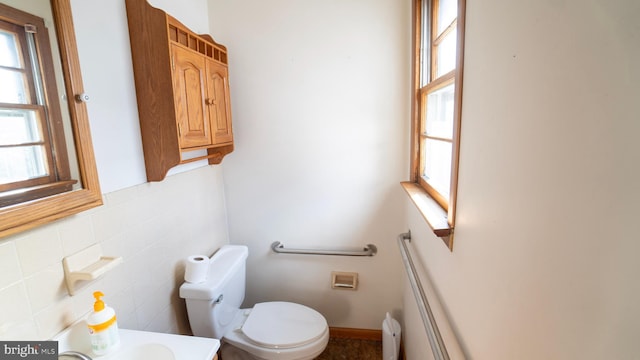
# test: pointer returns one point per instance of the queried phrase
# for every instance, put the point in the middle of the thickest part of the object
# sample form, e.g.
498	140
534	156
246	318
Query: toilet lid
283	325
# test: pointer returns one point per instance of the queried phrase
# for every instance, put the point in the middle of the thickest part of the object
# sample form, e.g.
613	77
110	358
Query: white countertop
183	347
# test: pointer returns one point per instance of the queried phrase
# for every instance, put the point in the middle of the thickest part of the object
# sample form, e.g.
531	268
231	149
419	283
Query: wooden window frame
49	112
439	213
30	214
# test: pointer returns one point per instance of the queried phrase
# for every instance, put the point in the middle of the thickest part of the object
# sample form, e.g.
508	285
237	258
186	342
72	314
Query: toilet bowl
275	330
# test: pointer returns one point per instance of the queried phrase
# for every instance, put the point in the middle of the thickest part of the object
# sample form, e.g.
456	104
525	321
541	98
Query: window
438	59
26	214
32	144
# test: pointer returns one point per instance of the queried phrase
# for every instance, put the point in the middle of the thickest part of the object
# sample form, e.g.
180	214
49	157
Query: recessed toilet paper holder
344	280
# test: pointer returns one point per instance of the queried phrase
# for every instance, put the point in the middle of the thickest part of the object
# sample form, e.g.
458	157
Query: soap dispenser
103	328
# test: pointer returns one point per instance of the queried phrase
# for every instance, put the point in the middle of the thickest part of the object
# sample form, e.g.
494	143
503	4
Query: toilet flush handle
219	299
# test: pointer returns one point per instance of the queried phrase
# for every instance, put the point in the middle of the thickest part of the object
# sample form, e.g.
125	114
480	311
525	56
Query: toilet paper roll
197	269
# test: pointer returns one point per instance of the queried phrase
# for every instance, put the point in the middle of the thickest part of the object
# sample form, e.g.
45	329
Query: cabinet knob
210	101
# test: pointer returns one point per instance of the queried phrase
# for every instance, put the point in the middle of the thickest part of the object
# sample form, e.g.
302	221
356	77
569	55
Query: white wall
545	263
105	58
319	94
154	227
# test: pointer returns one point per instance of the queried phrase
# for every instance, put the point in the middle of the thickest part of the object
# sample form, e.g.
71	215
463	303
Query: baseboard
358	334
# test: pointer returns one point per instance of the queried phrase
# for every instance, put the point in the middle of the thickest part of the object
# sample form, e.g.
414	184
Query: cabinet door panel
189	95
219	106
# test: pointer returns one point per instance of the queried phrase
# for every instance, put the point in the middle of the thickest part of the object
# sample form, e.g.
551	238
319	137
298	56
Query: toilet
274	330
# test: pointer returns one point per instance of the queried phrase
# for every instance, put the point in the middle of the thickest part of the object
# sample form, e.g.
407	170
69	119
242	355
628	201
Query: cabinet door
219	106
189	76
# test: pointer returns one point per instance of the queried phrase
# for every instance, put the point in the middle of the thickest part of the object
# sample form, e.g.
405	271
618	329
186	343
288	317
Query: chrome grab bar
369	250
438	348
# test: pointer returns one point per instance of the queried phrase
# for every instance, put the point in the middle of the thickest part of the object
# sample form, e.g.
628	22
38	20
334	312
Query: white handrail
438	348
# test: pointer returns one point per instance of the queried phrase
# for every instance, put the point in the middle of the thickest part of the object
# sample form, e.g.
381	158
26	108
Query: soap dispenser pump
103	328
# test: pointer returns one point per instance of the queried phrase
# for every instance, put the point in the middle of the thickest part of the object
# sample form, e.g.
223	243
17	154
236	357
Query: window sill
432	212
17	196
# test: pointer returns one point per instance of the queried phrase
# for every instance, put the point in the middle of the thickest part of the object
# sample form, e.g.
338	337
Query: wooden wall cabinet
182	88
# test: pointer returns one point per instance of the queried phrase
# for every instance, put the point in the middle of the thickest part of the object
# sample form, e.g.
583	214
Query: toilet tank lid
224	263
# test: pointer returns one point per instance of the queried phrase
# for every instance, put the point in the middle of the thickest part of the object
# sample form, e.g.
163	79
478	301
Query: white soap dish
87	264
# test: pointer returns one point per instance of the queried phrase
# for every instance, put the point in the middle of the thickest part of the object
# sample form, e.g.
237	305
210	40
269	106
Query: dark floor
352	349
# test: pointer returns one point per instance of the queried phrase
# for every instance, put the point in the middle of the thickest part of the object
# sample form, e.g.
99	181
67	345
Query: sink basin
140	345
145	351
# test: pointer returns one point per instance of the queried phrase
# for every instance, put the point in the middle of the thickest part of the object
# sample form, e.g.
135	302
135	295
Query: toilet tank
212	304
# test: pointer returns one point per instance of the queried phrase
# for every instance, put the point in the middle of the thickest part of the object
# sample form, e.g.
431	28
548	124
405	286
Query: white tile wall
153	226
9	265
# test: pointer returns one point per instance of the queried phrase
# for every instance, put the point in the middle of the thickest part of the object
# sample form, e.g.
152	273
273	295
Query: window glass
22	163
439	120
18	126
13	89
22	148
446	59
9	50
447	12
437	167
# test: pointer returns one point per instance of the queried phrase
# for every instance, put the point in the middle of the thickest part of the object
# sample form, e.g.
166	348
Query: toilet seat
236	337
283	325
